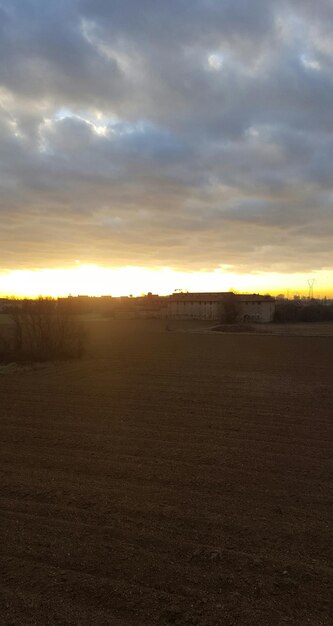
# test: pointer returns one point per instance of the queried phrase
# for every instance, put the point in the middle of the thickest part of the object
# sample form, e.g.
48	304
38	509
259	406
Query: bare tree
230	309
42	331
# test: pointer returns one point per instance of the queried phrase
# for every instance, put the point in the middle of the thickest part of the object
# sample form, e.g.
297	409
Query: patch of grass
234	328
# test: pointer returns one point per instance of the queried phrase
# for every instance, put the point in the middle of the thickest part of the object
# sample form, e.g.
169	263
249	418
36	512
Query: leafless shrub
287	312
230	309
42	332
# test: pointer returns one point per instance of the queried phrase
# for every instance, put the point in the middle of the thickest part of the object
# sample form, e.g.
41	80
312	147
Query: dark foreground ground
169	478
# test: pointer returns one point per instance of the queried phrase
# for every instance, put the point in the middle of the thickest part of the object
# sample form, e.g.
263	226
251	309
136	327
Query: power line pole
311	282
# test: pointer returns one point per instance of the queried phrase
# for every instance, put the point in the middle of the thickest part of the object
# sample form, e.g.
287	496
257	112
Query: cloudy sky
183	134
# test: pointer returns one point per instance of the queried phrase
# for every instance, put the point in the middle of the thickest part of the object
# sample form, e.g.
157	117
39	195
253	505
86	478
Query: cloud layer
185	134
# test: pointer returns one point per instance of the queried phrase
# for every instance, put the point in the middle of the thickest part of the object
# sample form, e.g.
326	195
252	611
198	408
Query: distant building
211	306
256	308
205	306
148	306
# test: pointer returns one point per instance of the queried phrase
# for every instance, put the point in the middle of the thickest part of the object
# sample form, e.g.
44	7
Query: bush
287	312
298	312
42	332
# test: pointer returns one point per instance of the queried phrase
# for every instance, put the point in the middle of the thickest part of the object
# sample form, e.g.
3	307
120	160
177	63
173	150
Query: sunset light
92	280
192	155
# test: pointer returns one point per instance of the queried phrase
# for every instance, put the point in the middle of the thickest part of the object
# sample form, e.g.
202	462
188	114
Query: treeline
302	312
39	330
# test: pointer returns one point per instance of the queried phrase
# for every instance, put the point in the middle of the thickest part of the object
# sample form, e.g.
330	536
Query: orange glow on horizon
93	280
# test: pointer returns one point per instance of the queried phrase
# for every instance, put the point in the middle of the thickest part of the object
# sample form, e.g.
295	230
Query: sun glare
93	280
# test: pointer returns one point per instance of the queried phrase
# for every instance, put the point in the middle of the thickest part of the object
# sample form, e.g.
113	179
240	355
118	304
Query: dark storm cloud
191	134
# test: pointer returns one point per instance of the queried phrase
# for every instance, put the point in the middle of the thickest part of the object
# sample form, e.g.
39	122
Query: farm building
213	306
256	308
205	306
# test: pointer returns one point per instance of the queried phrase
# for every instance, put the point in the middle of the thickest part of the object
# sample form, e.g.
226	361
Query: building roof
197	297
254	297
218	297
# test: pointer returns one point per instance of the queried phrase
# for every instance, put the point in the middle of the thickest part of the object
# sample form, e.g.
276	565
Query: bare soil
169	478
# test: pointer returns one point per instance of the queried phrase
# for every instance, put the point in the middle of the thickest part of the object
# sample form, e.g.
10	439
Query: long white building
213	306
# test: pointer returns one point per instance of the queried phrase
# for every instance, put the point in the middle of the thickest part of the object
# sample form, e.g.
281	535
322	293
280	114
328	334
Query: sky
151	145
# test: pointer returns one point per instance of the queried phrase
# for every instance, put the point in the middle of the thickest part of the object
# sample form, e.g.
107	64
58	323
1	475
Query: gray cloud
189	134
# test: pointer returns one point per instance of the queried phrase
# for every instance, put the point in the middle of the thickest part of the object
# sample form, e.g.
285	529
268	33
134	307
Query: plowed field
169	478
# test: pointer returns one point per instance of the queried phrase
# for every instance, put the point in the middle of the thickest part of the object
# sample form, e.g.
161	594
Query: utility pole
311	282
